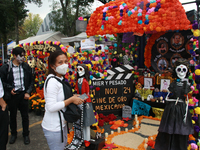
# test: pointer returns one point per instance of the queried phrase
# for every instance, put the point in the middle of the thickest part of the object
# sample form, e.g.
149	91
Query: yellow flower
197	110
42	105
34	103
37	107
43	101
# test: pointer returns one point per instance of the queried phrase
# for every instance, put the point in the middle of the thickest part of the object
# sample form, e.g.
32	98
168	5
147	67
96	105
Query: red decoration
87	143
111	47
151	143
109	146
97	88
101	123
126	119
112	117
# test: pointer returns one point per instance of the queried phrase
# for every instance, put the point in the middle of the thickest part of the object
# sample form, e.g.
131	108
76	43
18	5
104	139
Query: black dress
173	131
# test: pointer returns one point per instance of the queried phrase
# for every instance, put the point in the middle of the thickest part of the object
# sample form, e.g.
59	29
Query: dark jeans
4	121
18	102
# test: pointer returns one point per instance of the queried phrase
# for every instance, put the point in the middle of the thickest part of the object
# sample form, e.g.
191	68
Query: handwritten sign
88	43
43	47
112	96
127	112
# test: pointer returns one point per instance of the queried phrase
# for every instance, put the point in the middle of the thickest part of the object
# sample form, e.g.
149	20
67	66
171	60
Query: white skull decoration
80	70
181	71
149	97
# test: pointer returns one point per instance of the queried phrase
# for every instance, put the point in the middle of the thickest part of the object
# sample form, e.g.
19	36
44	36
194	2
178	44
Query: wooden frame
158	79
148	82
141	80
164	84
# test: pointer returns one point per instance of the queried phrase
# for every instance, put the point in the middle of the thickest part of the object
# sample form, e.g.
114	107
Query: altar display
110	89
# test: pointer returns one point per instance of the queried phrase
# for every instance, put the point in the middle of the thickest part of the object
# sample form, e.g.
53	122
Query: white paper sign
70	49
88	43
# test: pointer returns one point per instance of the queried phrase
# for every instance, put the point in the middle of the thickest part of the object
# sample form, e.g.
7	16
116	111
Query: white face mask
181	71
20	59
62	69
81	71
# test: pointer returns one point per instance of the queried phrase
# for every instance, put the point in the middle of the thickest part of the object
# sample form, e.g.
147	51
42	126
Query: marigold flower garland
148	48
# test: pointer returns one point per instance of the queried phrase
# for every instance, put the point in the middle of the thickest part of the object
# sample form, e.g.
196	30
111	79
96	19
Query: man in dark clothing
115	61
18	82
4	120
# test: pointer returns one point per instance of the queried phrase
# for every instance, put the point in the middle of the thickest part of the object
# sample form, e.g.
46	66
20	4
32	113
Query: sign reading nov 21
112	96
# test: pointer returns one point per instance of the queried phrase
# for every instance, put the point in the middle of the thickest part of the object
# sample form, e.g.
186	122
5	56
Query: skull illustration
181	71
80	70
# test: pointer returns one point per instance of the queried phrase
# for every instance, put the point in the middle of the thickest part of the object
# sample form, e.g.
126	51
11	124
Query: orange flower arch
148	48
138	16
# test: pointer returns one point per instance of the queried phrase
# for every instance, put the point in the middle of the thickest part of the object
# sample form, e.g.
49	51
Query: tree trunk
16	29
5	45
64	8
76	17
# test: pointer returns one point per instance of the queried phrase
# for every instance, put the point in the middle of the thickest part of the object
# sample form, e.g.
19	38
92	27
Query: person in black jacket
18	82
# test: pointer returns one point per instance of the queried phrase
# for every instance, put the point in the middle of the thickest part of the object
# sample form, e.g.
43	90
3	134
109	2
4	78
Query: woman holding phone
54	98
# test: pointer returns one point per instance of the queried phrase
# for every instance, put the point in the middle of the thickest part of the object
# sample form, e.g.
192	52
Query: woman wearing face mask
54	98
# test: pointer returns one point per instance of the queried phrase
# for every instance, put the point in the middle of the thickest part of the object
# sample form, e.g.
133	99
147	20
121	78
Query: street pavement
38	141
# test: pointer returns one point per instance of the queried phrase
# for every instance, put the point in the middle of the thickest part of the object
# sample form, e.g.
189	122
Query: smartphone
83	96
18	91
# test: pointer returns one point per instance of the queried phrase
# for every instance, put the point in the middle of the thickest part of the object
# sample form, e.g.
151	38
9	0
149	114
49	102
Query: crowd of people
127	59
16	84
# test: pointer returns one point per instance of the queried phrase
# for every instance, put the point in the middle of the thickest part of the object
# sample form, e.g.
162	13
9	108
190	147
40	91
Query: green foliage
12	14
30	26
6	21
65	14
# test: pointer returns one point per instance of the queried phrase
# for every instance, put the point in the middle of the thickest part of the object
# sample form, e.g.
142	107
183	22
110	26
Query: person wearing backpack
18	82
55	102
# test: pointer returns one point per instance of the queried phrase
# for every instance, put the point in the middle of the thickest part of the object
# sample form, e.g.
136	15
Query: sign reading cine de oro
112	95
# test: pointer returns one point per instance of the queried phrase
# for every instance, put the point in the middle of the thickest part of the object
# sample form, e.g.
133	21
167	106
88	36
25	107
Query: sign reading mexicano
110	96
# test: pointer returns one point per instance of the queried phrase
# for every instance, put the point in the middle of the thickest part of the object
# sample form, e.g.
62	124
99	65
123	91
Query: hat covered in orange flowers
138	16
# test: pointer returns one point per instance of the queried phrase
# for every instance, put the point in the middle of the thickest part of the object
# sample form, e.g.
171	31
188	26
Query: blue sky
45	8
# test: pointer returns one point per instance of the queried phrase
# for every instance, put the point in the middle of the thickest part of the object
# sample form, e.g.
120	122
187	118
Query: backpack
72	112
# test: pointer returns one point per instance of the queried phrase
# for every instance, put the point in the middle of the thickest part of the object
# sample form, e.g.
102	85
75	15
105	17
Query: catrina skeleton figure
82	86
176	123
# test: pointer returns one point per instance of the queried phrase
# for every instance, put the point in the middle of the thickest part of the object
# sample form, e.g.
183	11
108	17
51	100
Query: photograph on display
162	47
189	46
174	58
164	84
177	41
148	82
162	64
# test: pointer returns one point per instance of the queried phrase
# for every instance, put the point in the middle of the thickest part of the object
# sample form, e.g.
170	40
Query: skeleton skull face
80	70
181	71
149	97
